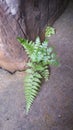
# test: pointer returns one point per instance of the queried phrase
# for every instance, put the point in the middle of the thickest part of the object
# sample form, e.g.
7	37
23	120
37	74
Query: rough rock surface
53	108
34	15
12	55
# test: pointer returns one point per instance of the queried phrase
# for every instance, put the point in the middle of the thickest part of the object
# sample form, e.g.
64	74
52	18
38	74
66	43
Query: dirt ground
53	108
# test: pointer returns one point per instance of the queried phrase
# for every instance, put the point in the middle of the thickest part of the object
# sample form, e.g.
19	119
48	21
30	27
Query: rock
12	55
28	23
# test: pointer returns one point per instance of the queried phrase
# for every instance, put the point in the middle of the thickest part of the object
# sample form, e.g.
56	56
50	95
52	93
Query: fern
32	86
29	46
49	31
40	58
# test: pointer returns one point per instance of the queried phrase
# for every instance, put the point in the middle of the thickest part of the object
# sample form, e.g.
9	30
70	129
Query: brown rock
31	21
12	55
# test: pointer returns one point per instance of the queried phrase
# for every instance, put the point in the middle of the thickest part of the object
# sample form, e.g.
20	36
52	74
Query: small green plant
40	57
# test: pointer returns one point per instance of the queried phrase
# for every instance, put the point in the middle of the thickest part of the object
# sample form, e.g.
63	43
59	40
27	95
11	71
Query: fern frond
37	41
46	72
29	46
54	62
49	31
32	87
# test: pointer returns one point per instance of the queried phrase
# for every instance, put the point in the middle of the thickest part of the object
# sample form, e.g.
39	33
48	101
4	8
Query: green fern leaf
29	46
45	73
53	62
38	75
49	31
32	87
37	41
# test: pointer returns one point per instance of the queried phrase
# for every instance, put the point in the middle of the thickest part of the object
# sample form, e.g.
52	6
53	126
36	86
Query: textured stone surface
40	13
53	108
29	22
12	55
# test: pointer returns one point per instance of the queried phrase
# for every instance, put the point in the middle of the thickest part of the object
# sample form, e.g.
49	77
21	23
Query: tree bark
29	23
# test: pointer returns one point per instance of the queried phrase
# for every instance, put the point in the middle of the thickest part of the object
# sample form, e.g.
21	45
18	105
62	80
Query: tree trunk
29	22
